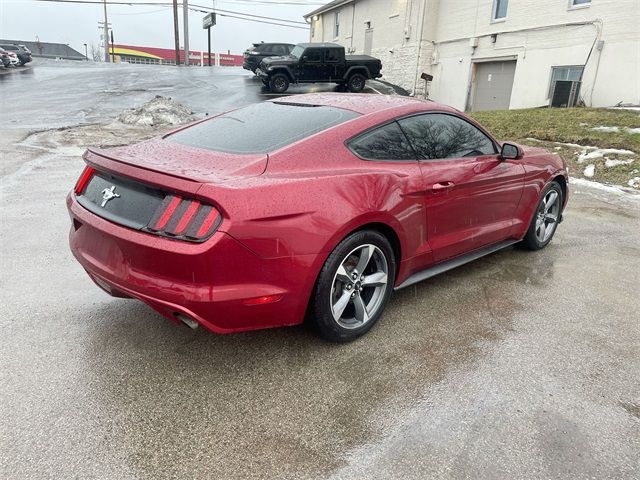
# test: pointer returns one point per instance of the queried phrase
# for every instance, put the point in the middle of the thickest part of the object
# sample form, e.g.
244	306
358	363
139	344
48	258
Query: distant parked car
256	53
4	58
13	58
22	52
318	63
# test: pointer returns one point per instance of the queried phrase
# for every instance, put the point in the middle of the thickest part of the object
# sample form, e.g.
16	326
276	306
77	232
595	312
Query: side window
331	55
279	50
383	143
289	48
438	135
314	55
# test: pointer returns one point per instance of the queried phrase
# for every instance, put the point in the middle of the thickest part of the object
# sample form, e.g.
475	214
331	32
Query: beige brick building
487	54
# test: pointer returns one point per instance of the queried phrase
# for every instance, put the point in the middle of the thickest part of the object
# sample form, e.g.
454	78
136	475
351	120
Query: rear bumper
214	283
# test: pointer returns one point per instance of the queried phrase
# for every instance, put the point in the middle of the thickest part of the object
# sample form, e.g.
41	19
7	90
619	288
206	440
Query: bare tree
96	53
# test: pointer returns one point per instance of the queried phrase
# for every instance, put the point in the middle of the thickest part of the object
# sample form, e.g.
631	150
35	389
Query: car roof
321	45
271	43
364	103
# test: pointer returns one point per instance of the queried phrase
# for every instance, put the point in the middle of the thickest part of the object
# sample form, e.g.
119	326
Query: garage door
494	81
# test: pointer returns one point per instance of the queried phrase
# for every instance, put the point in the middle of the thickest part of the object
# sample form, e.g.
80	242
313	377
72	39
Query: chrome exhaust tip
188	321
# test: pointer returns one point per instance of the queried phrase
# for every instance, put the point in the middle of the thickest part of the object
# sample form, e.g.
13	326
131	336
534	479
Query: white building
492	54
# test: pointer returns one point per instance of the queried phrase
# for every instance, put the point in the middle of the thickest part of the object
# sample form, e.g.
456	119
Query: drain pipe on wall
421	10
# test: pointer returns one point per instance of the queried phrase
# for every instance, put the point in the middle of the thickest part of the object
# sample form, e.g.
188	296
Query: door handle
442	187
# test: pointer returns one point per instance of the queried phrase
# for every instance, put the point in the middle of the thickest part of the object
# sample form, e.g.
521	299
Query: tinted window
261	128
279	50
436	135
297	51
332	55
384	143
289	48
313	54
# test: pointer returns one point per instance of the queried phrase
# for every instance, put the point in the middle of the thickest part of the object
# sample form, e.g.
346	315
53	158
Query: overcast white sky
76	24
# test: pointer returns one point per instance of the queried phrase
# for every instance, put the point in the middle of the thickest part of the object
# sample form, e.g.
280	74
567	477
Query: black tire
278	83
532	239
356	82
321	310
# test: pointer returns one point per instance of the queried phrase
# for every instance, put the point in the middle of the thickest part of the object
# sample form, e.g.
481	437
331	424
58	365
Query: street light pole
185	18
175	32
106	34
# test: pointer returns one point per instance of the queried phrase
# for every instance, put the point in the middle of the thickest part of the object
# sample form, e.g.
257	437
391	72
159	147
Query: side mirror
305	58
511	152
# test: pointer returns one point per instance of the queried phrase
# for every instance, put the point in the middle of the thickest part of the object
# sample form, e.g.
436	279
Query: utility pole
106	34
175	32
113	48
185	18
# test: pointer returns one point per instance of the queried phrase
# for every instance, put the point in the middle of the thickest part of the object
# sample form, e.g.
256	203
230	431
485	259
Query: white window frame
336	24
551	75
494	11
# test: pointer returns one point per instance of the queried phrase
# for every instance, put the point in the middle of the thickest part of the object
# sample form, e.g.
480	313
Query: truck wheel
356	82
279	83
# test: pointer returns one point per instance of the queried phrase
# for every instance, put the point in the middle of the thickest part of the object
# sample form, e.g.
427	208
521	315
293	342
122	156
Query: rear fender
359	69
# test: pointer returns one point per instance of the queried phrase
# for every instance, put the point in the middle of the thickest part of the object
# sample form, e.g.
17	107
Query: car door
329	64
403	197
309	64
471	193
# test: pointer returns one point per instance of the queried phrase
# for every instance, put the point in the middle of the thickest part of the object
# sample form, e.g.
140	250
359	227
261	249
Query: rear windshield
261	128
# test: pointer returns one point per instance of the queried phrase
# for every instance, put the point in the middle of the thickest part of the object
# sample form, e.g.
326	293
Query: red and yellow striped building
166	56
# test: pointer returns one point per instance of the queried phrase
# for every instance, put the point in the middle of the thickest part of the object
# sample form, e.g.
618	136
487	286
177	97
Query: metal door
493	85
368	41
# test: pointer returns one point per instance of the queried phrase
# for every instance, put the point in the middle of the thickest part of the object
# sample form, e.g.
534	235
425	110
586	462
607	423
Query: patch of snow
158	111
589	171
582	124
557	148
601	152
601	186
573	145
602	128
614	163
628	107
589	156
634	182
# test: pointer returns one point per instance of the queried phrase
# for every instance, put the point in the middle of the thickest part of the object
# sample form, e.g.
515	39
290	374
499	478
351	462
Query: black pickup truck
318	63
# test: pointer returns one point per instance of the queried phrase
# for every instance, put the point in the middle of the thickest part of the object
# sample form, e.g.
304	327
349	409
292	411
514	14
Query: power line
216	9
221	12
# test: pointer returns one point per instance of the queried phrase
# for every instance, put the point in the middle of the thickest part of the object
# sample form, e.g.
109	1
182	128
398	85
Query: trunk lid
187	162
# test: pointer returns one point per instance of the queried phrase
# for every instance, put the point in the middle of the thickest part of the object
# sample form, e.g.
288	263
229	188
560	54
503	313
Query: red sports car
313	206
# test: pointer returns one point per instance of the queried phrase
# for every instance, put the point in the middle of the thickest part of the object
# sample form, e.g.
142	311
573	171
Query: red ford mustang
316	205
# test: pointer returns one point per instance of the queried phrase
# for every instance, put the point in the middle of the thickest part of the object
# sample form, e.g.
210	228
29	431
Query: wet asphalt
519	365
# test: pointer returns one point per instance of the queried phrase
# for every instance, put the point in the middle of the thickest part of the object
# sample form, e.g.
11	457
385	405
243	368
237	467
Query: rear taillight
84	179
184	219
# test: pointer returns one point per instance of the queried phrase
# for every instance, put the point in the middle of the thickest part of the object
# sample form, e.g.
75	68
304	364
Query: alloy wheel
359	286
547	216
